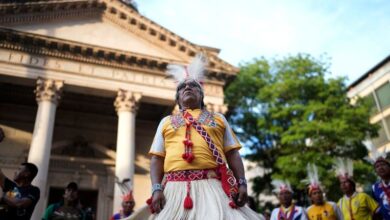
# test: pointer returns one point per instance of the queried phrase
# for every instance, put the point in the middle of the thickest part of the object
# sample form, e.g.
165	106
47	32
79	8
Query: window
371	102
382	138
387	122
383	94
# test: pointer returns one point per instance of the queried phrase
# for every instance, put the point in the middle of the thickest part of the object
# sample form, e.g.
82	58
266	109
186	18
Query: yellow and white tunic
209	199
359	206
327	211
168	141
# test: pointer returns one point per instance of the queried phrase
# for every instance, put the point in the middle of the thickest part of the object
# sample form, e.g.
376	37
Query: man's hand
242	196
158	201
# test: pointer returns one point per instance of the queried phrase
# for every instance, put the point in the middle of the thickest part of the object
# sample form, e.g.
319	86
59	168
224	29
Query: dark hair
201	95
32	169
72	186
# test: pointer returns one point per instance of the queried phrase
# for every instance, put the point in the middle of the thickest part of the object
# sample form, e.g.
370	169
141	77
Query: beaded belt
191	175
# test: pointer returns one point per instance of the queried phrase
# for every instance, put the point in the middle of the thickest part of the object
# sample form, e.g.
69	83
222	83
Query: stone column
48	93
126	105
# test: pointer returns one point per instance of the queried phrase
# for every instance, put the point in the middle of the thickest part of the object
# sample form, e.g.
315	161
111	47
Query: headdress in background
312	175
344	169
280	186
126	189
375	156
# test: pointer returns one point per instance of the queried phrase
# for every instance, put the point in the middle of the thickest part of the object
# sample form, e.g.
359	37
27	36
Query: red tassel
190	157
232	205
184	156
188	143
188	202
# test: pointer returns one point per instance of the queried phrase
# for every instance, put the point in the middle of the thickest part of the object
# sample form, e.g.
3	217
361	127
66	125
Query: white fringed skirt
209	202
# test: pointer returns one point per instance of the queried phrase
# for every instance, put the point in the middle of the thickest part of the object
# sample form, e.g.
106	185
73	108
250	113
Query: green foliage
289	113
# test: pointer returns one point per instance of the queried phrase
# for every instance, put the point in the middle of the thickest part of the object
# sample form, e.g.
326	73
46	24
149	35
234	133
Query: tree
288	113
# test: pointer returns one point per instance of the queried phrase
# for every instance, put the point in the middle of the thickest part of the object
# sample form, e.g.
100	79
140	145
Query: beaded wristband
156	187
242	181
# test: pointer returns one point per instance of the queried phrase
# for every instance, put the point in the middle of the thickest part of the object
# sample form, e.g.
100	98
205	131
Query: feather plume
280	185
178	72
375	155
344	168
197	67
126	188
194	71
312	174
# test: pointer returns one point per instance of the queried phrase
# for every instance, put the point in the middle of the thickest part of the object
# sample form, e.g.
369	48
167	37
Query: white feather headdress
375	156
344	168
126	188
194	71
280	185
312	174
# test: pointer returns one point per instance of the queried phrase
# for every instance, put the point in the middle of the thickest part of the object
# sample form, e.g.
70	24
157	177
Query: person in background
381	189
354	205
127	207
320	209
287	210
19	196
68	208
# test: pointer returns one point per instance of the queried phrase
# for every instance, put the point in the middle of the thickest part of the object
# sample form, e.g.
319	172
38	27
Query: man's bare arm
235	164
18	203
156	176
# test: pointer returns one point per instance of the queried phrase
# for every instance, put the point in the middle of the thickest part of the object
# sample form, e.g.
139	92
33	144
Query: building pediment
107	24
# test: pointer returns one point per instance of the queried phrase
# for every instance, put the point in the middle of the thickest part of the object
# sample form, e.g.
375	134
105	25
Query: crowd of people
197	173
352	205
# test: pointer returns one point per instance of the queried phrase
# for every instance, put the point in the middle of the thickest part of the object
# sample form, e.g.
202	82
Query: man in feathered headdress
287	210
354	205
127	207
192	149
320	209
381	189
128	202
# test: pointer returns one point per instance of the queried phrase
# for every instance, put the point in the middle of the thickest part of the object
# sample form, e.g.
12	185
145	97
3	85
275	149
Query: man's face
317	197
382	169
189	93
71	195
285	197
21	173
346	186
128	206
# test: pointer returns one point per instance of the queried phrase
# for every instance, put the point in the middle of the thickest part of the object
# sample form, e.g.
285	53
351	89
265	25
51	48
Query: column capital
48	90
127	101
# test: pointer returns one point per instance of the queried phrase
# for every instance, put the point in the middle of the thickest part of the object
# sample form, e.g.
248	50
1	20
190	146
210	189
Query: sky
353	34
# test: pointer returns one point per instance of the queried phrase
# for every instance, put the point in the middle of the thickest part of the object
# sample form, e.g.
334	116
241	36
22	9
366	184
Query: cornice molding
87	53
18	13
118	13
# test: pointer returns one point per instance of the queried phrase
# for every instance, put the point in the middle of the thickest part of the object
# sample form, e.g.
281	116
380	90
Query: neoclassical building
374	85
82	89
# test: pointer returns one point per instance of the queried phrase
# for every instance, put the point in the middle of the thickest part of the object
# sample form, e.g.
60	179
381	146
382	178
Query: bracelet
242	181
156	187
